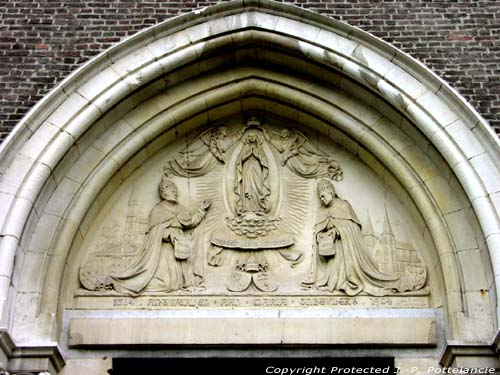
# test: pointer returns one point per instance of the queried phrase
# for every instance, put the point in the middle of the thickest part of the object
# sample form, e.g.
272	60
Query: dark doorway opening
253	366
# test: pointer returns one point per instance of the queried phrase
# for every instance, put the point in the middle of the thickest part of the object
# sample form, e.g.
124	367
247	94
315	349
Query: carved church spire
387	225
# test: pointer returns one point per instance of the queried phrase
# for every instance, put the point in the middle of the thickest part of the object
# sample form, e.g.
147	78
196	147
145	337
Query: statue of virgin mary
252	176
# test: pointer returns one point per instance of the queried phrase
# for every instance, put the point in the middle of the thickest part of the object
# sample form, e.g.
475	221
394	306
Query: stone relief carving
252	188
392	258
347	265
112	256
260	182
203	155
251	272
170	259
301	157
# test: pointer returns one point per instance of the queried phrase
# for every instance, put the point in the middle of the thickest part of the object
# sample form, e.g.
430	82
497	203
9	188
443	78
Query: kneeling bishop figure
347	264
171	258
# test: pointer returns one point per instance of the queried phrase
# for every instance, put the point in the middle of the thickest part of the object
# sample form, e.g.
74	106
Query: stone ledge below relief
415	331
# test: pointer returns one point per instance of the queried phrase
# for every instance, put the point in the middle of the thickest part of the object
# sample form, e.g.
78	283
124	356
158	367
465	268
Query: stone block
298	29
39	174
136	80
458	354
367	115
105	79
14	225
8	245
168	136
61	197
18	170
207	29
488	171
373	60
490	222
380	331
444	196
495	199
474	270
181	57
465	139
73	105
405	82
37	143
471	183
117	92
32	277
461	231
244	20
79	124
227	109
124	65
134	163
85	164
165	45
441	111
114	135
336	42
414	134
244	331
86	366
392	134
6	200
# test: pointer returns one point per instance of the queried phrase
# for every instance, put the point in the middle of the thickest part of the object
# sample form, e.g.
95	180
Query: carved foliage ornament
176	247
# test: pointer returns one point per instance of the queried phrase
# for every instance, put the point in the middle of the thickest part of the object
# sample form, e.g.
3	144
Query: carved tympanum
262	180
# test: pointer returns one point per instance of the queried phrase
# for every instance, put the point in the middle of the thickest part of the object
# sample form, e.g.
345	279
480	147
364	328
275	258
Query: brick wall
41	42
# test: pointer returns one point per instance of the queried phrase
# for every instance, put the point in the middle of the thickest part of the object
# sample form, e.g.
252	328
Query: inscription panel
250	302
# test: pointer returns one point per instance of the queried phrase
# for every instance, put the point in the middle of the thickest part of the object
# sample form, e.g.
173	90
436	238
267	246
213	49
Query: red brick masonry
41	42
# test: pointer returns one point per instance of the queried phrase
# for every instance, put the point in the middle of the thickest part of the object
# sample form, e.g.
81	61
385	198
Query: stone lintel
416	331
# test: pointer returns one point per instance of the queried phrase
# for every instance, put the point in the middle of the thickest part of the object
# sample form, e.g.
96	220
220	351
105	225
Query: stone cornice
456	350
6	344
11	351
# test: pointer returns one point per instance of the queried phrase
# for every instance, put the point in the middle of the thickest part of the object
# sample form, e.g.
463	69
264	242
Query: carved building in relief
399	259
